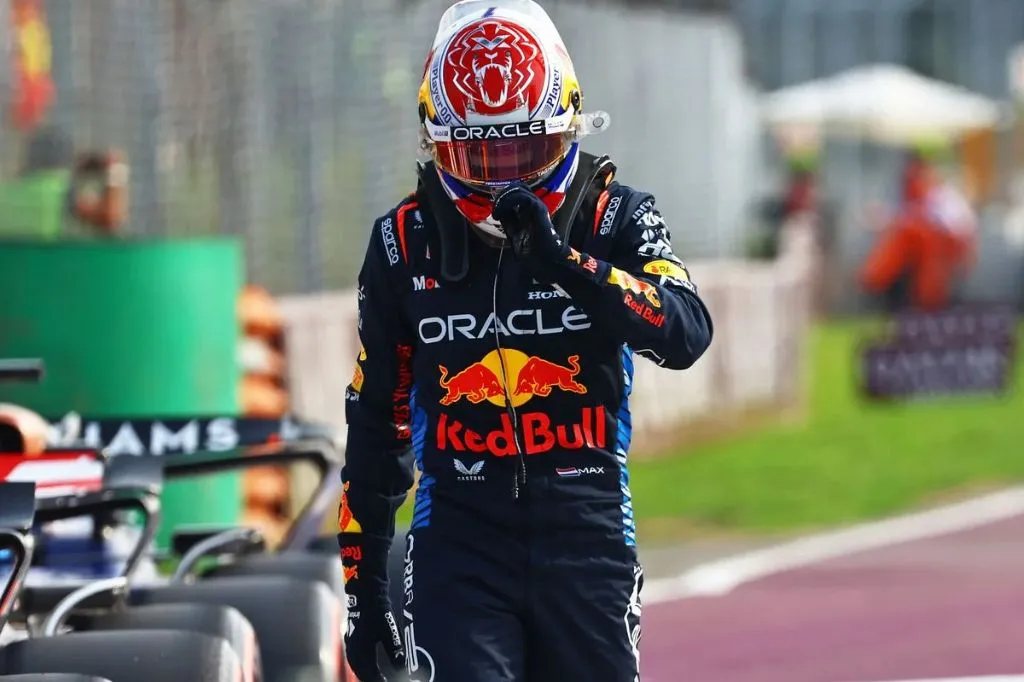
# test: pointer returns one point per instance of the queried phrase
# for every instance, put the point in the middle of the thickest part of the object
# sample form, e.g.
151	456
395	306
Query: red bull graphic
539	376
476	383
528	376
357	379
350	558
346	521
351	555
540	434
644	311
631	284
590	265
645	308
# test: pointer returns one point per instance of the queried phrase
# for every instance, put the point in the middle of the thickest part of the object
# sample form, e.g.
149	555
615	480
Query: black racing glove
371	620
528	227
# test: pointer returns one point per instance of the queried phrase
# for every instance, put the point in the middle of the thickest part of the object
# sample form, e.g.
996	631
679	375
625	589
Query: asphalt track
944	607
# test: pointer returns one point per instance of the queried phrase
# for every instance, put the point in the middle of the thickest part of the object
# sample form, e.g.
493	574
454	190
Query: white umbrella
885	103
799	105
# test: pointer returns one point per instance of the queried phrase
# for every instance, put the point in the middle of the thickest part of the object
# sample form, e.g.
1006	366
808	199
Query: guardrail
761	312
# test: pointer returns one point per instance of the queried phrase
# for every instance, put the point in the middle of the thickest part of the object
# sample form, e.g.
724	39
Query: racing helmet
500	103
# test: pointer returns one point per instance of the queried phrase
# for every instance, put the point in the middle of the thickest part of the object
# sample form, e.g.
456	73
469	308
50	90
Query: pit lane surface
946	607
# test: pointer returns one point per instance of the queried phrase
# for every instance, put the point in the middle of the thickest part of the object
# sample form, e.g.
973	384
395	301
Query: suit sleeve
378	469
643	295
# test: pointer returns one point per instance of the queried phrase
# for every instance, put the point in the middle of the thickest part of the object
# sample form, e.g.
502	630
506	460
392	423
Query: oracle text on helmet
516	323
498	132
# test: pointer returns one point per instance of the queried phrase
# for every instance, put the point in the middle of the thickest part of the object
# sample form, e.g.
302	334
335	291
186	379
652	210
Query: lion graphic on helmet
493	65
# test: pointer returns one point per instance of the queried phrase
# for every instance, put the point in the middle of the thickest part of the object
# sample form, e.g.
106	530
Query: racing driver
501	306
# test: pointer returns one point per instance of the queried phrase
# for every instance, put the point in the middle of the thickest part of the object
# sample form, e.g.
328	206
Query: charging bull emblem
511	377
346	521
476	383
539	376
631	284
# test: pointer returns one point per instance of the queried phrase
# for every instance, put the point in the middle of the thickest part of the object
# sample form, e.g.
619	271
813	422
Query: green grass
846	461
843	461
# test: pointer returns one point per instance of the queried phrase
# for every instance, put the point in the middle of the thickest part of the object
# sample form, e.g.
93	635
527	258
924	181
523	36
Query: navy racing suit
509	391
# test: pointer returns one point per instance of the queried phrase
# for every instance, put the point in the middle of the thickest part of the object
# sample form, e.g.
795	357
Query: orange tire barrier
262	397
263	393
259	314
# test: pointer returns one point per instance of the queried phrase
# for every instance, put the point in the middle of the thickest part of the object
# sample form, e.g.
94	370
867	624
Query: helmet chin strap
491	228
488	238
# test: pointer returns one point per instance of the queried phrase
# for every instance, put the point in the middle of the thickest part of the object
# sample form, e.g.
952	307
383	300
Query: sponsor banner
968	349
908	370
974	324
178	436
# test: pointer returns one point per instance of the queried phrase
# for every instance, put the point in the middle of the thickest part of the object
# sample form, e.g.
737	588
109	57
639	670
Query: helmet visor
502	160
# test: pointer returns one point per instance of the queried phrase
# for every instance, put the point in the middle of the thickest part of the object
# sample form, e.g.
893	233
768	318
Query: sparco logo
516	323
497	132
387	231
609	215
423	283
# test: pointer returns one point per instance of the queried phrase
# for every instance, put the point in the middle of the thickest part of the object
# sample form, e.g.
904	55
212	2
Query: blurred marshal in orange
33	88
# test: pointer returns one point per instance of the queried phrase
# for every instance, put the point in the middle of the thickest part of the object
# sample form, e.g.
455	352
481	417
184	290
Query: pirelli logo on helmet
506	131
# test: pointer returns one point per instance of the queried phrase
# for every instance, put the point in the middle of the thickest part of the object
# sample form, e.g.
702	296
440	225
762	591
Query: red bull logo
641	297
346	521
528	376
350	558
631	284
540	434
476	383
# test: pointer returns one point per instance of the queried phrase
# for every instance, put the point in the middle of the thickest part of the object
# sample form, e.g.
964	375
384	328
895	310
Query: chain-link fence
293	122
